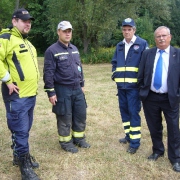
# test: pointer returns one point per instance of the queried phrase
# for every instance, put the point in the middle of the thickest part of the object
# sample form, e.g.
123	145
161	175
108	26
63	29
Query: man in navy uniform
64	84
125	64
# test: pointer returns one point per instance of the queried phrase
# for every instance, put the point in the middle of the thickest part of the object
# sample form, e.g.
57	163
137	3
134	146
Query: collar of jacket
64	46
14	31
137	42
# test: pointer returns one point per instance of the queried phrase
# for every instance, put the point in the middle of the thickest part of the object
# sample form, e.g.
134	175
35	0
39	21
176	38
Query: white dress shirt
165	56
128	45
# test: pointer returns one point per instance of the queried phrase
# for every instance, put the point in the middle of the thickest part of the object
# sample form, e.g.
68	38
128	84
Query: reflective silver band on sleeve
6	77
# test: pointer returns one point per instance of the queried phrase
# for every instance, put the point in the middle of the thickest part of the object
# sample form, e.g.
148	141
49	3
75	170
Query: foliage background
96	24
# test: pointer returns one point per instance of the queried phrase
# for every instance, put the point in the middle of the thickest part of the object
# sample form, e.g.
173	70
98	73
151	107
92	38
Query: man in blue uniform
64	84
125	63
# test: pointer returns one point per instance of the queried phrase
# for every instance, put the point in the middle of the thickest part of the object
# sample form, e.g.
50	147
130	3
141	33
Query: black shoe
81	143
131	150
32	161
155	156
124	141
176	166
69	147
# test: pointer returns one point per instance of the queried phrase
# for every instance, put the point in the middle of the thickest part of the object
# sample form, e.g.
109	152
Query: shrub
101	55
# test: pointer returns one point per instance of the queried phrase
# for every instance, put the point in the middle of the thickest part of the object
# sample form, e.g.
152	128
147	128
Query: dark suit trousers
153	107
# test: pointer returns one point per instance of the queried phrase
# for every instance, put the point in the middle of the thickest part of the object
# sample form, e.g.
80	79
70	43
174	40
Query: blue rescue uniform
125	75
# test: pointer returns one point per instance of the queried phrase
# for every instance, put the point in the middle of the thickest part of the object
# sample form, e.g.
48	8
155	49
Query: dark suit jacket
173	80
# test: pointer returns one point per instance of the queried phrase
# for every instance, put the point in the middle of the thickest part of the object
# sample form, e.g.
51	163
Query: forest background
96	24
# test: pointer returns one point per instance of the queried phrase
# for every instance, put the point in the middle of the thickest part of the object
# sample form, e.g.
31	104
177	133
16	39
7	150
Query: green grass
106	159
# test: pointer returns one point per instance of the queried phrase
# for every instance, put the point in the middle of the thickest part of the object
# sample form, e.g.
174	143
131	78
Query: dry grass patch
106	159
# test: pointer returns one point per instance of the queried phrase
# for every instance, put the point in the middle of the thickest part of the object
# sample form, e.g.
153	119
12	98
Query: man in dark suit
159	85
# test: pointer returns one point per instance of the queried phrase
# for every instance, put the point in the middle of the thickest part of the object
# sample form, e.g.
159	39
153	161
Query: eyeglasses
163	36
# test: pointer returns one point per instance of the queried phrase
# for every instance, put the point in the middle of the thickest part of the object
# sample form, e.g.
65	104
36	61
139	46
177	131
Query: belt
158	93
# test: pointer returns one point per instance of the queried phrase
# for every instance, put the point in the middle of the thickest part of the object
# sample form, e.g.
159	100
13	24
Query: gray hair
162	27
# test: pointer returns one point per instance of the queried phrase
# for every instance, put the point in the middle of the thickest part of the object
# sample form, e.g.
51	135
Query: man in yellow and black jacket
19	75
125	63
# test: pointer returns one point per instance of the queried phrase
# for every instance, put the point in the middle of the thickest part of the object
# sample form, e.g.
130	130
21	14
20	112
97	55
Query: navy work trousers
19	113
130	106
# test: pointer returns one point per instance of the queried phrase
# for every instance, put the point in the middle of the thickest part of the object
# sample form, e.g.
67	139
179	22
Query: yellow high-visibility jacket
18	64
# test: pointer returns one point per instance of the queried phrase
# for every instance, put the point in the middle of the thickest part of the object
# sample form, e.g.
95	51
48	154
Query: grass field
106	159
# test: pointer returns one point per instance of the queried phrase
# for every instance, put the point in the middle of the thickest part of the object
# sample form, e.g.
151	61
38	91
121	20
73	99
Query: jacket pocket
59	108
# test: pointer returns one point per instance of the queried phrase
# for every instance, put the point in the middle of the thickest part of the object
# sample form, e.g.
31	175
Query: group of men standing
134	70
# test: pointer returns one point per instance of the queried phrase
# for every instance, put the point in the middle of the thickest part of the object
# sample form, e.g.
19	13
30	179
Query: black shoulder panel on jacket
5	36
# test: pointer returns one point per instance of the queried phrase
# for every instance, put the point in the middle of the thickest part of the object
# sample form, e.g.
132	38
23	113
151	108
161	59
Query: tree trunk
17	4
86	40
85	44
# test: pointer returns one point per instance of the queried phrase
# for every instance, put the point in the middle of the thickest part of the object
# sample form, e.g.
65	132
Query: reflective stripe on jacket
125	70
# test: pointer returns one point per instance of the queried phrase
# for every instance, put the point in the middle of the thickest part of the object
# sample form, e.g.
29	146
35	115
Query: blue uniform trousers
19	114
130	106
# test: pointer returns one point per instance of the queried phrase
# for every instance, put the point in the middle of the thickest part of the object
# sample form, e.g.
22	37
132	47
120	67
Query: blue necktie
158	72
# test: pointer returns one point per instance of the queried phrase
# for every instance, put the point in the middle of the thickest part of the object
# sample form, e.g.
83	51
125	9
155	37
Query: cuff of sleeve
51	93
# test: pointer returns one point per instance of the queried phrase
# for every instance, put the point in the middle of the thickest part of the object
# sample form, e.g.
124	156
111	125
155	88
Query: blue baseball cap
128	22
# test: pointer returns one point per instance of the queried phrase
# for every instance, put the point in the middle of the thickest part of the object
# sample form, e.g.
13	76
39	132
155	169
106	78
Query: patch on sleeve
22	46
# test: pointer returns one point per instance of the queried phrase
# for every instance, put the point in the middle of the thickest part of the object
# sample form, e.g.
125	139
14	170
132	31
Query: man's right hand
53	100
12	88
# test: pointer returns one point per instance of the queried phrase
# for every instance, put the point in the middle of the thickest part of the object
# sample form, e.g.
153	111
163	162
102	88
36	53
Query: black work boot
69	146
124	141
81	142
27	172
31	160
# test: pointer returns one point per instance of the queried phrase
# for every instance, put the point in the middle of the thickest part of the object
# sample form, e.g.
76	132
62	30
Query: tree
93	20
37	9
145	28
6	9
174	24
17	4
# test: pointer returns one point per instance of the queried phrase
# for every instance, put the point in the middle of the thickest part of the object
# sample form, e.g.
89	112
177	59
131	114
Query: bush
101	55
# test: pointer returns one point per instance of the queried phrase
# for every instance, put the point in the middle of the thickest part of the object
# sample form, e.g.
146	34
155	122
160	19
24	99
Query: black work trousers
70	111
